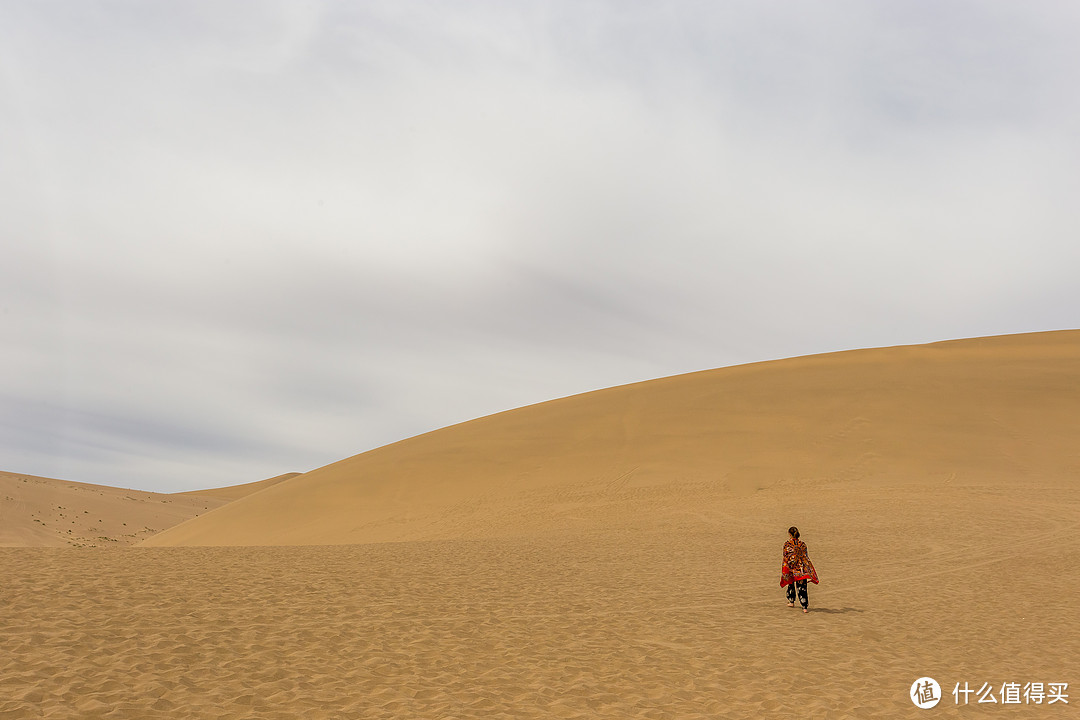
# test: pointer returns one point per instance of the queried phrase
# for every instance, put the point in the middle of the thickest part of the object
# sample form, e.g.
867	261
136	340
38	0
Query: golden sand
43	512
528	589
685	621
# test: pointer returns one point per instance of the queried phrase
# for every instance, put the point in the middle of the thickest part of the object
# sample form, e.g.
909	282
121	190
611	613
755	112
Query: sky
239	239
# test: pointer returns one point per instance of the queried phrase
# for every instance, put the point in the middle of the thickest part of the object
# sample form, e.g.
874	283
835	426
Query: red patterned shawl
797	565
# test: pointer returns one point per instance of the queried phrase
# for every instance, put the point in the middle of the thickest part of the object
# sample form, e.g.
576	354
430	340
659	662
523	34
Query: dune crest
235	492
985	411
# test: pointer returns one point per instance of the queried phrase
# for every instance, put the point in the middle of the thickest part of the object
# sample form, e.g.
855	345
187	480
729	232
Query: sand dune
611	555
235	492
44	512
991	411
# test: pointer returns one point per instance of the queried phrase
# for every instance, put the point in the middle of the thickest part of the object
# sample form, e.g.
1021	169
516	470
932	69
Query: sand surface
235	492
46	512
685	620
611	555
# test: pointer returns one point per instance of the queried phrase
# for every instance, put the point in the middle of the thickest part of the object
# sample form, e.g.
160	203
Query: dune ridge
978	411
234	492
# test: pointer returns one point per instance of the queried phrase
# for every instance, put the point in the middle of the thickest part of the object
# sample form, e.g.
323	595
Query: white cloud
245	238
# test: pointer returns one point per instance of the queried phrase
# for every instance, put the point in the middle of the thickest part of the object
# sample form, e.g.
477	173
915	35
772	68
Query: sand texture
684	620
45	512
615	554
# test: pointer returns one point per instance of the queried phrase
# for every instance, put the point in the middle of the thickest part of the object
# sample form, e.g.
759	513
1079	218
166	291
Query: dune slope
1000	411
45	512
234	492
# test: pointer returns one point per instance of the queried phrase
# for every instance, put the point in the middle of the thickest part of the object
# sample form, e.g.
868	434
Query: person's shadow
832	611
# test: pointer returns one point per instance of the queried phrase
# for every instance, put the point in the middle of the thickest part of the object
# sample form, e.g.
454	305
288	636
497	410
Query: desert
613	554
473	360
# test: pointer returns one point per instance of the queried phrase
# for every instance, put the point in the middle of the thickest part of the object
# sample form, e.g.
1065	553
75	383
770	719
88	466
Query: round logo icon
925	692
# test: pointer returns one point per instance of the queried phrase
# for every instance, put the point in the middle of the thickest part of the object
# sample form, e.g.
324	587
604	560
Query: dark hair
793	531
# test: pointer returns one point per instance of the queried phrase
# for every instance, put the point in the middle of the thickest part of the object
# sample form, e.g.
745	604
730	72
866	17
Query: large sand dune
995	411
611	555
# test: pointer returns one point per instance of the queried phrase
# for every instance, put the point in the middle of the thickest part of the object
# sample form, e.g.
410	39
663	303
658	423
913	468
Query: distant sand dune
44	512
990	411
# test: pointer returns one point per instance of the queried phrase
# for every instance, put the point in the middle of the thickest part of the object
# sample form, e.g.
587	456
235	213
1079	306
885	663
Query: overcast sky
244	238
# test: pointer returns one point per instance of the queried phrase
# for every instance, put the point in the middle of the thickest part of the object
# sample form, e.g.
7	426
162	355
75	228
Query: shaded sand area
614	555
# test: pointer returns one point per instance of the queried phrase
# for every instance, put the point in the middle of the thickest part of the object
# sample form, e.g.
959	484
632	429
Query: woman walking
796	570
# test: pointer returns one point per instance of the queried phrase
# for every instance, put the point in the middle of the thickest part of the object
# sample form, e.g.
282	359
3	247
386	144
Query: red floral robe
797	565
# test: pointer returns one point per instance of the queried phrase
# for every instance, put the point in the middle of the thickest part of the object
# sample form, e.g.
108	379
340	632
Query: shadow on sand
835	610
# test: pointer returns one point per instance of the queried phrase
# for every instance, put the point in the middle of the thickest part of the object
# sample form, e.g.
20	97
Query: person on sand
796	570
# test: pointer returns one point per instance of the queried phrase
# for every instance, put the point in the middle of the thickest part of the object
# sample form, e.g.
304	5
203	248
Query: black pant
804	599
